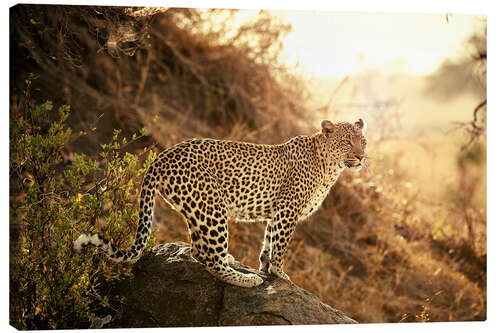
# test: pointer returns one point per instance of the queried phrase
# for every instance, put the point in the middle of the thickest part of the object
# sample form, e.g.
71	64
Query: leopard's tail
149	187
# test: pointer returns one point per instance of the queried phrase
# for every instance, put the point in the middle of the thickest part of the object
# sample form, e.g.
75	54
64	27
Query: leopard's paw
275	270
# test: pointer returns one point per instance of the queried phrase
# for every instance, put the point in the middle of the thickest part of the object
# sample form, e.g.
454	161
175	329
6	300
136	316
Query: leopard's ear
361	124
326	126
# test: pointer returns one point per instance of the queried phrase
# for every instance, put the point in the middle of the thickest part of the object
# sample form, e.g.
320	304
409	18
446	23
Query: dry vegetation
380	248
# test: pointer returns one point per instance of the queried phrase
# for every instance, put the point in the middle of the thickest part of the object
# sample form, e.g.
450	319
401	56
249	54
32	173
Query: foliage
51	203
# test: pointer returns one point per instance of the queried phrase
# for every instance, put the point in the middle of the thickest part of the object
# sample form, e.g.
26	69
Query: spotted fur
211	182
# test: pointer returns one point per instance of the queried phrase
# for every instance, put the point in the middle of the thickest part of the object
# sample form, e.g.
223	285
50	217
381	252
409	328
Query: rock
170	288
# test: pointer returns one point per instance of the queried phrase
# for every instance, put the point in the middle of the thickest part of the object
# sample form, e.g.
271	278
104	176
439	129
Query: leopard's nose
359	156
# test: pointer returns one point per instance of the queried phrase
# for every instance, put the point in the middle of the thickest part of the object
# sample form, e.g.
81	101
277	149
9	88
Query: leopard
211	182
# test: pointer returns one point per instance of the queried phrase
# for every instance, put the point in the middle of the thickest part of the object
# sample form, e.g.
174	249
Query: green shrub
52	200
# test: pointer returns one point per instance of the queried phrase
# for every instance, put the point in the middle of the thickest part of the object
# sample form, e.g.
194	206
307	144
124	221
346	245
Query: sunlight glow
337	44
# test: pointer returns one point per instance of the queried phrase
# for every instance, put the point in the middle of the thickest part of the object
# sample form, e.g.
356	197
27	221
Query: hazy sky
329	43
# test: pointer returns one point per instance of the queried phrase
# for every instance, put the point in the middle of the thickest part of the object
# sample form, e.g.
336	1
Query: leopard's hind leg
205	212
210	242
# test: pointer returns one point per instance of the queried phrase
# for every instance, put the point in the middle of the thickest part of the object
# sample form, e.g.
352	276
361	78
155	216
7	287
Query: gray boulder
169	288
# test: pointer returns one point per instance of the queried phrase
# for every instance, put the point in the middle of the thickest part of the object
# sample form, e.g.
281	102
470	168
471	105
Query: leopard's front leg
265	252
284	225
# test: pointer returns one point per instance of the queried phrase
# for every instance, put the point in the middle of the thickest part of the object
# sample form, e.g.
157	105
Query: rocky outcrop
169	288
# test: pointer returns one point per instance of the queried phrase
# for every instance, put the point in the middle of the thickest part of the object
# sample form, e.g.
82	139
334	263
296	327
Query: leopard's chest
315	200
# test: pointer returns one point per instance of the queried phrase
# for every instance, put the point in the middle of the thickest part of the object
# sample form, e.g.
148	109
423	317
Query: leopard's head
345	143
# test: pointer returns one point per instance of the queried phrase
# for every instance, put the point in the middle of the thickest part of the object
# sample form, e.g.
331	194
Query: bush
51	203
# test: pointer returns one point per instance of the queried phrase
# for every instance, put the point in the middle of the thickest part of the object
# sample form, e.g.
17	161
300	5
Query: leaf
438	224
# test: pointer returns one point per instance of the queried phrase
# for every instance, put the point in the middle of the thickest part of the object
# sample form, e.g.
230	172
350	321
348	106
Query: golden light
337	44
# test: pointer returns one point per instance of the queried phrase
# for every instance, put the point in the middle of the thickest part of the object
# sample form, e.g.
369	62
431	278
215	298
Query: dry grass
382	248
